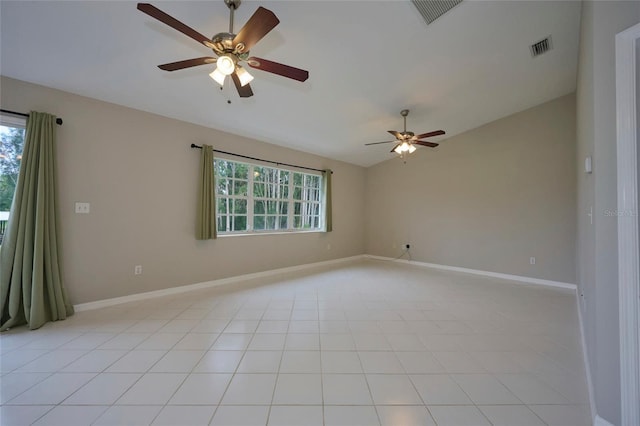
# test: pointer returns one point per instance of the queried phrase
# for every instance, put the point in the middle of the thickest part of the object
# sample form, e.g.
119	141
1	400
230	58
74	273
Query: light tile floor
368	343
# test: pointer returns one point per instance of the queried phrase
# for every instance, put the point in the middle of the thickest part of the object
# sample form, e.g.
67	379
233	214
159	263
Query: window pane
284	207
297	179
272	175
222	223
315	182
240	187
258	190
258	222
259	207
10	157
223	168
297	193
271	222
222	186
240	206
297	207
297	222
269	191
241	170
240	223
283	222
284	191
272	207
221	205
284	177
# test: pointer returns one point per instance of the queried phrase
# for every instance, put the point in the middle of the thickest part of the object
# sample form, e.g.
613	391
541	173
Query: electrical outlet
532	260
137	270
83	208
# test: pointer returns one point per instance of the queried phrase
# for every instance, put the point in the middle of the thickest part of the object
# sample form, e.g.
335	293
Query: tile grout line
232	374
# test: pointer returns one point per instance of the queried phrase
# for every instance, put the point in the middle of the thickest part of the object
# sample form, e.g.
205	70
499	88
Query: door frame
628	250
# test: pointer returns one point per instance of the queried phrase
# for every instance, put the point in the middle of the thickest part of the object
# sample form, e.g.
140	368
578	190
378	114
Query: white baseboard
207	284
599	421
587	368
230	280
518	278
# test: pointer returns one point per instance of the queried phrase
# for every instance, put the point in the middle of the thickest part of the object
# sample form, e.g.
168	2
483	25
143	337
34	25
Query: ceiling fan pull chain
222	89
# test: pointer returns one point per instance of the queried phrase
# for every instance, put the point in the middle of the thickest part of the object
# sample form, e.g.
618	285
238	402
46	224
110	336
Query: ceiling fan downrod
404	114
232	5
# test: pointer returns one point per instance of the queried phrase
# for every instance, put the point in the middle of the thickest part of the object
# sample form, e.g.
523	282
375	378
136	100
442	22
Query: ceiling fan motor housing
232	4
223	43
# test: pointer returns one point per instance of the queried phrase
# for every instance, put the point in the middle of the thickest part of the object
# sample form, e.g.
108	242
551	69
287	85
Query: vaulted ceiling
367	61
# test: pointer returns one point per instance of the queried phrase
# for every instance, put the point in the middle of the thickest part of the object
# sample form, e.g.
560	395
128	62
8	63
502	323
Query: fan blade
244	91
394	148
260	23
398	135
377	143
280	69
428	135
425	143
154	12
174	66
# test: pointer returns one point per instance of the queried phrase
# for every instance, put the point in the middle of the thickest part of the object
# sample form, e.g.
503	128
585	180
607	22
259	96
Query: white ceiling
367	61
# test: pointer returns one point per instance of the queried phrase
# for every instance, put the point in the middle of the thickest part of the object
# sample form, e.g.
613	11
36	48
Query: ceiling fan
231	49
406	141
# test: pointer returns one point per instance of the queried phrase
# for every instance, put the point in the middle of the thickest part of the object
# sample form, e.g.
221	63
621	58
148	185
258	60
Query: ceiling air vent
433	9
543	46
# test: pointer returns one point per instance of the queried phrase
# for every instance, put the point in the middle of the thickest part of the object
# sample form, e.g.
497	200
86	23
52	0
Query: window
253	198
11	145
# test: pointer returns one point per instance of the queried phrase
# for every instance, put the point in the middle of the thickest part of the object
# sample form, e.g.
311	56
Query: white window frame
289	200
17	122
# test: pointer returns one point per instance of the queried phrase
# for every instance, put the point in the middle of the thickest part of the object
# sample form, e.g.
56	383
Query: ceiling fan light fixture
244	76
401	148
405	147
218	76
226	64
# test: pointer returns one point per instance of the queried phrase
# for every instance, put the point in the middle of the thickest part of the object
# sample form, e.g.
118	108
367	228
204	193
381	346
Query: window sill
249	234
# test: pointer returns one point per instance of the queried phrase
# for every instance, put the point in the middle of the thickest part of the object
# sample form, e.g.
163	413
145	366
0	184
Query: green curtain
328	221
206	218
31	287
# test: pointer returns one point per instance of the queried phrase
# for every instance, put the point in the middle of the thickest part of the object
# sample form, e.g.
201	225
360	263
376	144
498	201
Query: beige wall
488	199
597	240
139	174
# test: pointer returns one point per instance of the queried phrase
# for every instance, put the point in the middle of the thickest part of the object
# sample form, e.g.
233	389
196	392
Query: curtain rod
193	145
22	114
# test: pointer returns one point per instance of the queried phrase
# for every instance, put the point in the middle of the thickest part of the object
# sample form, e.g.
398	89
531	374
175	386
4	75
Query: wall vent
543	46
433	9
